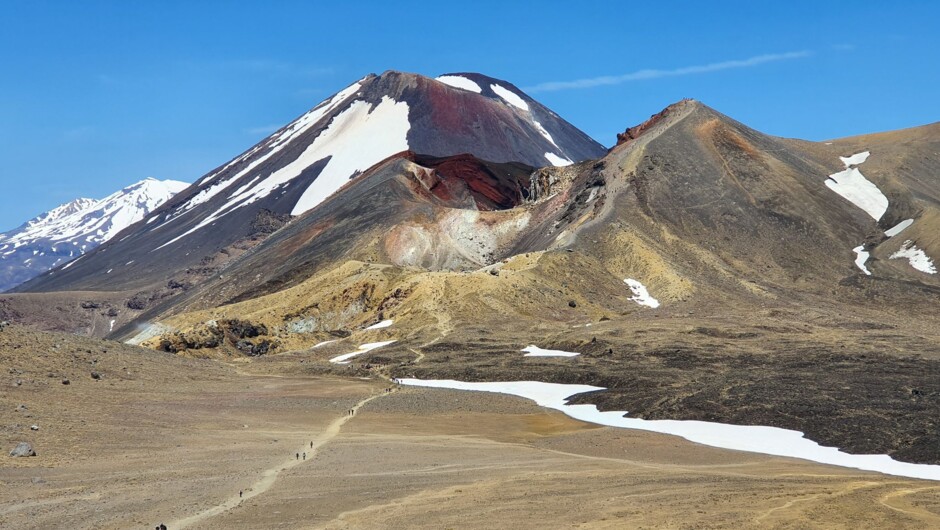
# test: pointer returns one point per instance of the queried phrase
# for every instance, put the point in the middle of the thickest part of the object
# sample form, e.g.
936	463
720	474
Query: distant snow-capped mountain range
68	231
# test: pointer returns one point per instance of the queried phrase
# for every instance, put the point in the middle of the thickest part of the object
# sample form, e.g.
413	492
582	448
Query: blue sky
97	95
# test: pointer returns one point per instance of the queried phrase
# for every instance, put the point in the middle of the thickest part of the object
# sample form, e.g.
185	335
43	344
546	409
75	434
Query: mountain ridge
77	226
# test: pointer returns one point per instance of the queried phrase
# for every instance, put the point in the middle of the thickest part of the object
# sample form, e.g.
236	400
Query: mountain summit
302	164
59	235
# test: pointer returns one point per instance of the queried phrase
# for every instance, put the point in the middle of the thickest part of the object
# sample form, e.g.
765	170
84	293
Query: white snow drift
640	294
534	351
356	139
510	97
756	439
382	324
861	257
458	81
916	257
556	160
344	359
855	188
898	228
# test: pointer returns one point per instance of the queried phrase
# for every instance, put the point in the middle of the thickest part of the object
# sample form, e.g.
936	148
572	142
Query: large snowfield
755	439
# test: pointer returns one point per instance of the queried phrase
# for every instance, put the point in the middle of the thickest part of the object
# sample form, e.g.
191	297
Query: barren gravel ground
159	438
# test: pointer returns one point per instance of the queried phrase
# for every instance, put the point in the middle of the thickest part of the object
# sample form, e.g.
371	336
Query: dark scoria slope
296	168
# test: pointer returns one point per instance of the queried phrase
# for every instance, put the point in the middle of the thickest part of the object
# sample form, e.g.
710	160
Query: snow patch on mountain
543	132
898	228
916	257
556	160
856	159
365	348
461	82
861	257
510	97
277	142
855	188
534	351
356	139
640	294
752	438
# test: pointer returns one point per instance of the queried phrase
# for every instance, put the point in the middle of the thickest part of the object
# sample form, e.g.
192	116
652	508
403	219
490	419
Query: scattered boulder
22	449
21	408
243	329
176	284
137	303
95	375
90	305
34	427
3	324
253	350
572	303
66	382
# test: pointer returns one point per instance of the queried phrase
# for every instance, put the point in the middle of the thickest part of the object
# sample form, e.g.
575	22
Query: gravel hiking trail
269	476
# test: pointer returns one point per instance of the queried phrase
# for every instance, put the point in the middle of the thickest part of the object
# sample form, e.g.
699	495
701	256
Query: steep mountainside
703	270
301	165
72	229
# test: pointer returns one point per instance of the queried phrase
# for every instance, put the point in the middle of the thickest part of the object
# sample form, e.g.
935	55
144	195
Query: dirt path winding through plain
269	476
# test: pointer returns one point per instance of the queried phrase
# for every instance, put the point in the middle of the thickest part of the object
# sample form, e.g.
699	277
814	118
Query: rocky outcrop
22	449
632	133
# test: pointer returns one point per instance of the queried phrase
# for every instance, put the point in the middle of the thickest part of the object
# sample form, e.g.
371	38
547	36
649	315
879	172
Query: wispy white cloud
264	129
645	75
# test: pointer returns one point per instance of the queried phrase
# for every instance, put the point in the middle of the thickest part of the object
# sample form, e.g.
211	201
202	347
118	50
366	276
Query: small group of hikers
298	456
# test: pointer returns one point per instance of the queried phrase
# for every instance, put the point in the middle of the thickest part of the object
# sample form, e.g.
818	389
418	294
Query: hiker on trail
240	494
305	456
311	445
298	456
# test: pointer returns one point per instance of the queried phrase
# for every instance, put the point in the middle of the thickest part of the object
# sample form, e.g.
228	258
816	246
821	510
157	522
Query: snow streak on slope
345	358
544	133
534	351
556	160
854	187
916	257
356	139
753	438
278	141
365	137
898	228
511	97
640	294
461	82
856	159
861	257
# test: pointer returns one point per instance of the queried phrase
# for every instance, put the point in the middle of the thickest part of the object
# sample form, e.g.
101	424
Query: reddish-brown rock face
493	186
632	133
